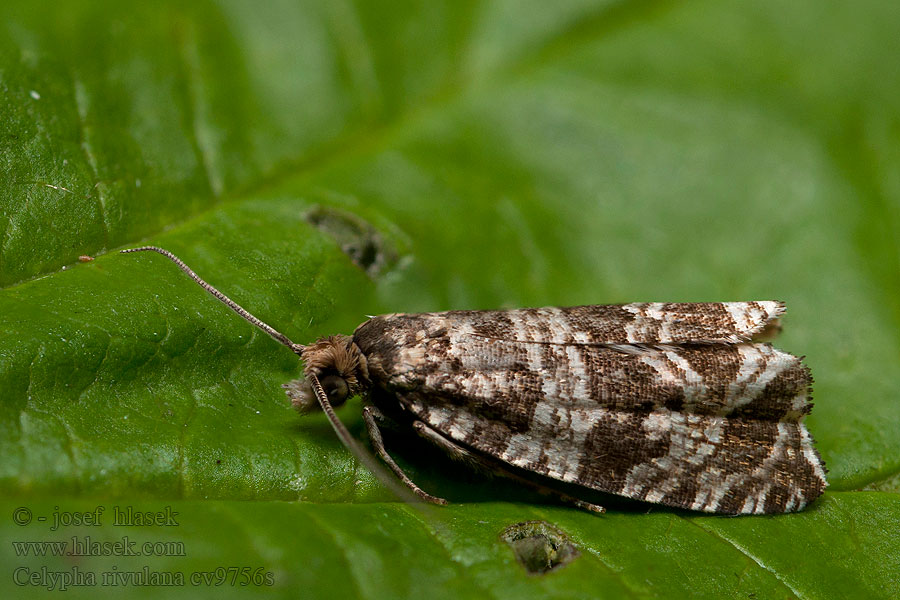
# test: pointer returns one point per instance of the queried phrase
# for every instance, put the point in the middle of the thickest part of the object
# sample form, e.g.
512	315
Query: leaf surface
467	155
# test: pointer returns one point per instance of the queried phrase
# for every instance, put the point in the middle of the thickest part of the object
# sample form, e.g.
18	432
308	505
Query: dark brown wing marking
712	426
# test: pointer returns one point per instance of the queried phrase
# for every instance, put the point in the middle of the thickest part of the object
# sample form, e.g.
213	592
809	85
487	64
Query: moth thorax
340	367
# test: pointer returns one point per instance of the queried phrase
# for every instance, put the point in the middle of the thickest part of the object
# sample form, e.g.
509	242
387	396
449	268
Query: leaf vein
749	555
419	517
330	533
79	93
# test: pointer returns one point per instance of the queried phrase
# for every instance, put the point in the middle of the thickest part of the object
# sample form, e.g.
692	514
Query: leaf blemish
358	239
539	546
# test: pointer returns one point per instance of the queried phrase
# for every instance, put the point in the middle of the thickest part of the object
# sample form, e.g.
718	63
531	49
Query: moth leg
371	415
451	450
384	422
457	452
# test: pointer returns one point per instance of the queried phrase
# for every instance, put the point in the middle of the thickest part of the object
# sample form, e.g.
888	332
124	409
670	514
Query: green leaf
393	550
464	155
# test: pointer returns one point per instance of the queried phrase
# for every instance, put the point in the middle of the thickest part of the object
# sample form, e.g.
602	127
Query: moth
679	404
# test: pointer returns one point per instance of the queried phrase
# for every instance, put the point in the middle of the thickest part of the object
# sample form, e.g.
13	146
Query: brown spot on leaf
358	239
539	546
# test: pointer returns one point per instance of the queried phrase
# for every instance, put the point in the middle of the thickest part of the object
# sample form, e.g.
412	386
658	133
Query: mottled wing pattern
636	323
711	424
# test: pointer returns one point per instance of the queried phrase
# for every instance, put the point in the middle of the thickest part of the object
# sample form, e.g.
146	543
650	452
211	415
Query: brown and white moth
680	404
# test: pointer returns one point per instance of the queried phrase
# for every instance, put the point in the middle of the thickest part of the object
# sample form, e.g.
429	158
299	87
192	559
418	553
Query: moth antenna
343	434
297	348
353	446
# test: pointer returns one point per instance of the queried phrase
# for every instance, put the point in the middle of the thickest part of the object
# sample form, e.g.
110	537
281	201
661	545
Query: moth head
340	367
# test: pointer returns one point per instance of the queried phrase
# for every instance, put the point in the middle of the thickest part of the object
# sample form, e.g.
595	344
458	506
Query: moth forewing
671	403
583	395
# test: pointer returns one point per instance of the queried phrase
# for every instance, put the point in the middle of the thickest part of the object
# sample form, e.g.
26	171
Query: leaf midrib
368	138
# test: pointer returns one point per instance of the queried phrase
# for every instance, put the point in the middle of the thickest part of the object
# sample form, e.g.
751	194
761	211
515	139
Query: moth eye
336	388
